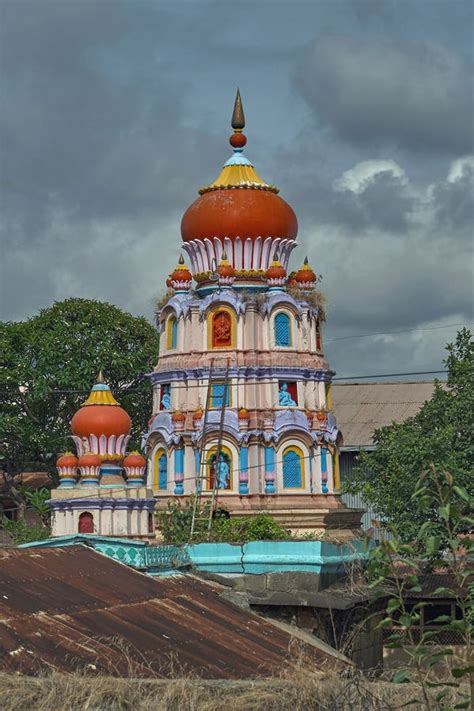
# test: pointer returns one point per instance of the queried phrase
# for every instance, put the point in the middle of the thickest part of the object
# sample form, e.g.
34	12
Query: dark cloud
454	201
115	112
416	95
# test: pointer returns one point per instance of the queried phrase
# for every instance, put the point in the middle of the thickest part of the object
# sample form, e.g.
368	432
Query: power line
258	381
403	330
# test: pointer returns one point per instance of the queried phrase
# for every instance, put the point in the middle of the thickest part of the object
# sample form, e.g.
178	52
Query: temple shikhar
241	392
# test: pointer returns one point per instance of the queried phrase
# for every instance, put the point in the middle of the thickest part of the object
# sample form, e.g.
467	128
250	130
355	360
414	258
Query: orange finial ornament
238	140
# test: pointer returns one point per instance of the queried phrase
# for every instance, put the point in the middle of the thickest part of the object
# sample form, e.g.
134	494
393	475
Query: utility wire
258	381
403	330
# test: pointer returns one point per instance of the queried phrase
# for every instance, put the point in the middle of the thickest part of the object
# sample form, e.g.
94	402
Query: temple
102	490
242	390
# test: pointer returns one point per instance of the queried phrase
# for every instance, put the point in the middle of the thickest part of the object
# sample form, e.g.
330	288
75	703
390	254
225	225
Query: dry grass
297	690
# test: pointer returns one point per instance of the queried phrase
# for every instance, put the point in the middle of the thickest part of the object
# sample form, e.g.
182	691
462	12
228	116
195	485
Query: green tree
440	434
48	365
444	675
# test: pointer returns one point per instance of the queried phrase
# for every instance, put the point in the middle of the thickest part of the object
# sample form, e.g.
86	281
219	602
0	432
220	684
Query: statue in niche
221	329
284	397
166	398
223	472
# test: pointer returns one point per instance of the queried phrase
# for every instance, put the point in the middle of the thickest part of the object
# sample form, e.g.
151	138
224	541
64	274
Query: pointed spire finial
306	260
100	378
181	259
238	118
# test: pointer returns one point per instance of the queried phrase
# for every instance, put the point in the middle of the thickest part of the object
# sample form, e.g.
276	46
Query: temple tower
248	318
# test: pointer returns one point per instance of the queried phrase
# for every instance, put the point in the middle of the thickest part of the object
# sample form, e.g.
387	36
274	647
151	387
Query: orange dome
101	420
89	460
239	212
198	415
243	414
305	274
181	272
101	414
275	271
225	269
68	459
134	459
178	416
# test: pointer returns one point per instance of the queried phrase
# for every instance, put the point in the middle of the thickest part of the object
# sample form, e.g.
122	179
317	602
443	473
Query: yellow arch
233	320
170	325
156	468
225	450
299	452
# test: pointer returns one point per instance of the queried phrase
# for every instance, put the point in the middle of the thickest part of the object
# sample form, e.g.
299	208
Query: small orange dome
68	459
181	272
225	268
89	460
178	416
305	274
239	212
243	414
198	415
135	459
275	270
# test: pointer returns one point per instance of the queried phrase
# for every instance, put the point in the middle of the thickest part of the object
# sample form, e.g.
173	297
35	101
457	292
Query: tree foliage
48	366
397	569
440	434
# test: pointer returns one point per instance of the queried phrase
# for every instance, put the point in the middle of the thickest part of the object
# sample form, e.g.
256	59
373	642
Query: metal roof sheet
74	608
361	408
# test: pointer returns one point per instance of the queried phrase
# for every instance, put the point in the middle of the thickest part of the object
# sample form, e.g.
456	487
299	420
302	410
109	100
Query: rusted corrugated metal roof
361	408
74	608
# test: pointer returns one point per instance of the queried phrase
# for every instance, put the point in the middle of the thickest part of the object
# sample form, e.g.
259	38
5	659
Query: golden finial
238	118
100	378
181	259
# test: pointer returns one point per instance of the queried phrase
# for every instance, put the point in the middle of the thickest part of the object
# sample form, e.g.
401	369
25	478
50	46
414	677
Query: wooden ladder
202	469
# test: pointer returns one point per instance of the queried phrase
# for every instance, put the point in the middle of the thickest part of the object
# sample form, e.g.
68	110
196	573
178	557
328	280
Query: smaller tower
102	491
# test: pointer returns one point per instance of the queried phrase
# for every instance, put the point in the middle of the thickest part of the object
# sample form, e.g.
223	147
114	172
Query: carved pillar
243	473
179	471
324	470
270	470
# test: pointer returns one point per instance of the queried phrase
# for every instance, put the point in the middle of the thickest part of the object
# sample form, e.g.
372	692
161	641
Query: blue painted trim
68	483
270	469
244	463
324	470
179	471
256	557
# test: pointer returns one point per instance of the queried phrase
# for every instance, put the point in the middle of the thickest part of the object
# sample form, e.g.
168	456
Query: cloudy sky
114	112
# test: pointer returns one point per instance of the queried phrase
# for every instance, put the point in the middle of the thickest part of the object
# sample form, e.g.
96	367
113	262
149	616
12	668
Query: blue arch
163	472
292	469
282	330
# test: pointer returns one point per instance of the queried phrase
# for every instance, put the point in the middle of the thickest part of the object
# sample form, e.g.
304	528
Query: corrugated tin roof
361	408
63	608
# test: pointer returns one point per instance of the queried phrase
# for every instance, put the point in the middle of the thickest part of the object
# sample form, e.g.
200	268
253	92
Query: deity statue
222	329
223	472
166	398
284	397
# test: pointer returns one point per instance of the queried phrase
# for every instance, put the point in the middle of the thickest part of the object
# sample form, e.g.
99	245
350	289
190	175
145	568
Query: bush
22	532
175	526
